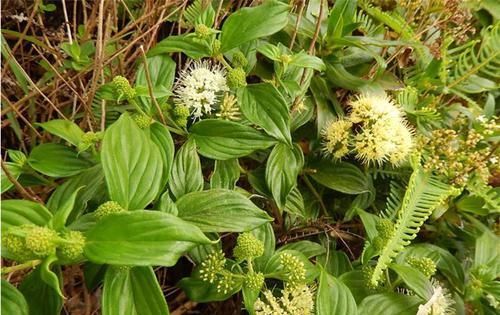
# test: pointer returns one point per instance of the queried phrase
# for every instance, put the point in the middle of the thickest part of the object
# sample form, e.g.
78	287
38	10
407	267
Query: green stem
26	265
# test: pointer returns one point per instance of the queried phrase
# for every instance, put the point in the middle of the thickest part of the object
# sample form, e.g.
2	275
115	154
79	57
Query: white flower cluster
200	87
440	303
294	301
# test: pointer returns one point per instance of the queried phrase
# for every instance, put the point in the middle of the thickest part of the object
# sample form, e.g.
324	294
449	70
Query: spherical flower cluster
108	208
202	30
385	229
423	264
15	246
336	137
294	269
29	242
122	88
375	130
89	139
40	240
72	248
181	115
254	281
236	78
440	303
229	109
200	87
297	300
248	247
225	282
143	121
239	60
212	266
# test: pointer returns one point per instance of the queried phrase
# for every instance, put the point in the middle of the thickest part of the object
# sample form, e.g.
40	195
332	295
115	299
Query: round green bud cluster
122	88
474	289
72	249
286	59
202	30
385	228
226	283
236	78
423	264
367	272
294	269
212	266
15	246
143	121
254	281
181	115
108	208
88	139
248	247
40	240
239	60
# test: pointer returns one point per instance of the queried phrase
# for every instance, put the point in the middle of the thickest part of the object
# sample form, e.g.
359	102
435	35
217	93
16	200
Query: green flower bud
423	264
16	248
40	240
367	276
122	88
108	208
385	229
239	60
212	266
73	248
226	283
379	243
248	247
236	78
294	269
202	30
254	281
143	121
181	115
286	59
89	139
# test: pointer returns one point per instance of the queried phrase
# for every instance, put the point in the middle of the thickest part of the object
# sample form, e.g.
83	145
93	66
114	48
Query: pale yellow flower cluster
376	131
297	300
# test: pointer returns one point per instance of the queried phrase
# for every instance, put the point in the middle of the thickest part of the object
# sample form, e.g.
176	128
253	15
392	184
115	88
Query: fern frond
476	64
388	172
193	11
394	200
367	25
423	194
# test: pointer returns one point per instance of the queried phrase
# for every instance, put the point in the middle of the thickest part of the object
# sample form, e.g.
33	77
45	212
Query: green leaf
274	266
57	160
283	167
188	44
249	298
64	129
389	304
226	174
221	210
248	24
132	291
161	69
186	174
18	212
414	279
334	297
13	302
132	164
162	138
61	215
265	233
201	291
295	203
224	140
264	106
342	14
50	277
41	298
92	181
14	170
340	176
487	249
308	248
304	60
356	282
141	238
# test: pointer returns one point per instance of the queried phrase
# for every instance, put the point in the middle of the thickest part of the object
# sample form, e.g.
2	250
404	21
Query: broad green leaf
226	174
41	298
389	304
487	249
265	233
64	129
342	14
161	69
162	138
224	140
249	297
93	274
414	279
141	238
132	291
186	174
334	297
335	262
202	291
57	160
166	204
264	106
340	176
308	248
188	44
61	215
49	276
248	24
355	281
220	210
17	212
304	60
92	181
13	302
132	164
295	203
14	170
283	166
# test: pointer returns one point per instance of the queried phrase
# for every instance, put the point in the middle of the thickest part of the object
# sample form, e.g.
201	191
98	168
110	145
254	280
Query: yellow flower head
373	107
336	137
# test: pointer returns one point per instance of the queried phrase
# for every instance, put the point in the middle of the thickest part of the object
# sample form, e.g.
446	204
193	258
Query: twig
18	186
26	265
